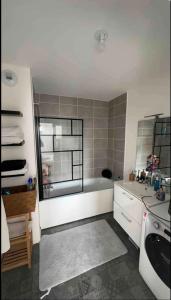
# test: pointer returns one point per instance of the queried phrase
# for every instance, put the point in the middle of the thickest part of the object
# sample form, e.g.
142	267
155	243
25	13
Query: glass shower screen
61	157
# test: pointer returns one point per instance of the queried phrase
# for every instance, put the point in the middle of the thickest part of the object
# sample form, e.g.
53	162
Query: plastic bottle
157	184
30	184
138	177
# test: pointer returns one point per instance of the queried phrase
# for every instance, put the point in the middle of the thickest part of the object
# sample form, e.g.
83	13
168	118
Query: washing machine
155	250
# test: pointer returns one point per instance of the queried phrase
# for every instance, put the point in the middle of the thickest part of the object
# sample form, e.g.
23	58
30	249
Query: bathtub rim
83	192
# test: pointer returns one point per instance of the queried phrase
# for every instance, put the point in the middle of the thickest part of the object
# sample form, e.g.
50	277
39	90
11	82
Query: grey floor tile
116	279
141	293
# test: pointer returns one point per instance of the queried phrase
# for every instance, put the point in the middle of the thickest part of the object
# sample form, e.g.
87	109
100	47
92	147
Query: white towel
7	140
12	131
5	243
15	172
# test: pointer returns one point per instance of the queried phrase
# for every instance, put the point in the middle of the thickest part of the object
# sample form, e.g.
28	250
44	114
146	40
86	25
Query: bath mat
69	253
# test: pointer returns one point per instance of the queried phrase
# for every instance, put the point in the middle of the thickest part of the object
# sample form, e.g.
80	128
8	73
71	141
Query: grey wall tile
120	109
101	153
100	163
68	100
88	143
49	110
88	123
88	173
118	169
100	123
99	112
88	132
98	171
49	98
120	99
85	102
111	154
111	123
119	144
97	103
119	121
110	133
68	111
117	118
111	111
119	132
110	144
89	163
100	143
119	155
100	133
85	112
88	153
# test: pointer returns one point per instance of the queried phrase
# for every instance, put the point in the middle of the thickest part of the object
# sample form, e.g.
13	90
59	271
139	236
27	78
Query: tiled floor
117	279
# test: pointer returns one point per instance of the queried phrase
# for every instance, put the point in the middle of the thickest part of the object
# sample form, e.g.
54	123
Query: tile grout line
93	141
59	105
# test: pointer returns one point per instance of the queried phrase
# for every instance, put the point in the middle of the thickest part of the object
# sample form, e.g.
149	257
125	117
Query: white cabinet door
127	223
129	203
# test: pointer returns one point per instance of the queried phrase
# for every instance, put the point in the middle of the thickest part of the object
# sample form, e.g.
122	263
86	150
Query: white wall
148	99
20	97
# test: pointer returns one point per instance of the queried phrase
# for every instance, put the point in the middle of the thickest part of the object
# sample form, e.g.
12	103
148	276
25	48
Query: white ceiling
56	39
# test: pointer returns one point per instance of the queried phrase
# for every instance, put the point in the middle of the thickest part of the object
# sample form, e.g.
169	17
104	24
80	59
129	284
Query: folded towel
12	131
8	140
15	172
10	165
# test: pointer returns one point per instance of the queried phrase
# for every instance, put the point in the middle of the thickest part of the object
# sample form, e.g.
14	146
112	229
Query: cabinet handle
123	193
126	217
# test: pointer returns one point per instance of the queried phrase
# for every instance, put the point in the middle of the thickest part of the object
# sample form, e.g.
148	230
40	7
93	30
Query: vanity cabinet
128	212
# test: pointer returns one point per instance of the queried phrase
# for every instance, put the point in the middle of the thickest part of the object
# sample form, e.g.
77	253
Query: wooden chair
20	234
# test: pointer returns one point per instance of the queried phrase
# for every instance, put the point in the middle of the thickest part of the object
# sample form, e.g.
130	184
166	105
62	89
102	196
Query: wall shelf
11	145
12	113
8	176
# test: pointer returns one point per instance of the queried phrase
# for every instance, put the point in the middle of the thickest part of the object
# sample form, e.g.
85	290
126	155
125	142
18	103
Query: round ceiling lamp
101	37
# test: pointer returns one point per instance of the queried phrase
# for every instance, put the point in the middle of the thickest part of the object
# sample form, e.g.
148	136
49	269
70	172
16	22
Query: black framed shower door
60	156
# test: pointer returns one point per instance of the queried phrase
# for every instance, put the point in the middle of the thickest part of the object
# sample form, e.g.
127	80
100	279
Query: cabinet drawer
127	223
129	203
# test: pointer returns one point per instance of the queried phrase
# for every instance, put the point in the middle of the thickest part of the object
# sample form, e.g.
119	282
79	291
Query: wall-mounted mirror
153	137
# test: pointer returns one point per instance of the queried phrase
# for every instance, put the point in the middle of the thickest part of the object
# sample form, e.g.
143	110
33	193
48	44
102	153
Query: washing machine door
158	250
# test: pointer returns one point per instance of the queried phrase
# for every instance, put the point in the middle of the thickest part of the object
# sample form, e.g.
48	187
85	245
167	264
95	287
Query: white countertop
138	190
162	211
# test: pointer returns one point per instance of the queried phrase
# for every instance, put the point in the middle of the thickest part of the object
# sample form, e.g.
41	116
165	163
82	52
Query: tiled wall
116	146
95	115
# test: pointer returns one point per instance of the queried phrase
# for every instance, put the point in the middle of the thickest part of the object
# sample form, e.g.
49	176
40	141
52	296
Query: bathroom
85	109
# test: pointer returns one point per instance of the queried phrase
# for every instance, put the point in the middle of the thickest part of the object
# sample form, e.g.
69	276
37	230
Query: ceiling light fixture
100	37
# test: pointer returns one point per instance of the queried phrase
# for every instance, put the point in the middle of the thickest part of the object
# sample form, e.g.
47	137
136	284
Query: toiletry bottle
160	195
131	176
138	177
30	184
153	179
156	184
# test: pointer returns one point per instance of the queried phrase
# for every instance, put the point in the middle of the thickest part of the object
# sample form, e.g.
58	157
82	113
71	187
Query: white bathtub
96	199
